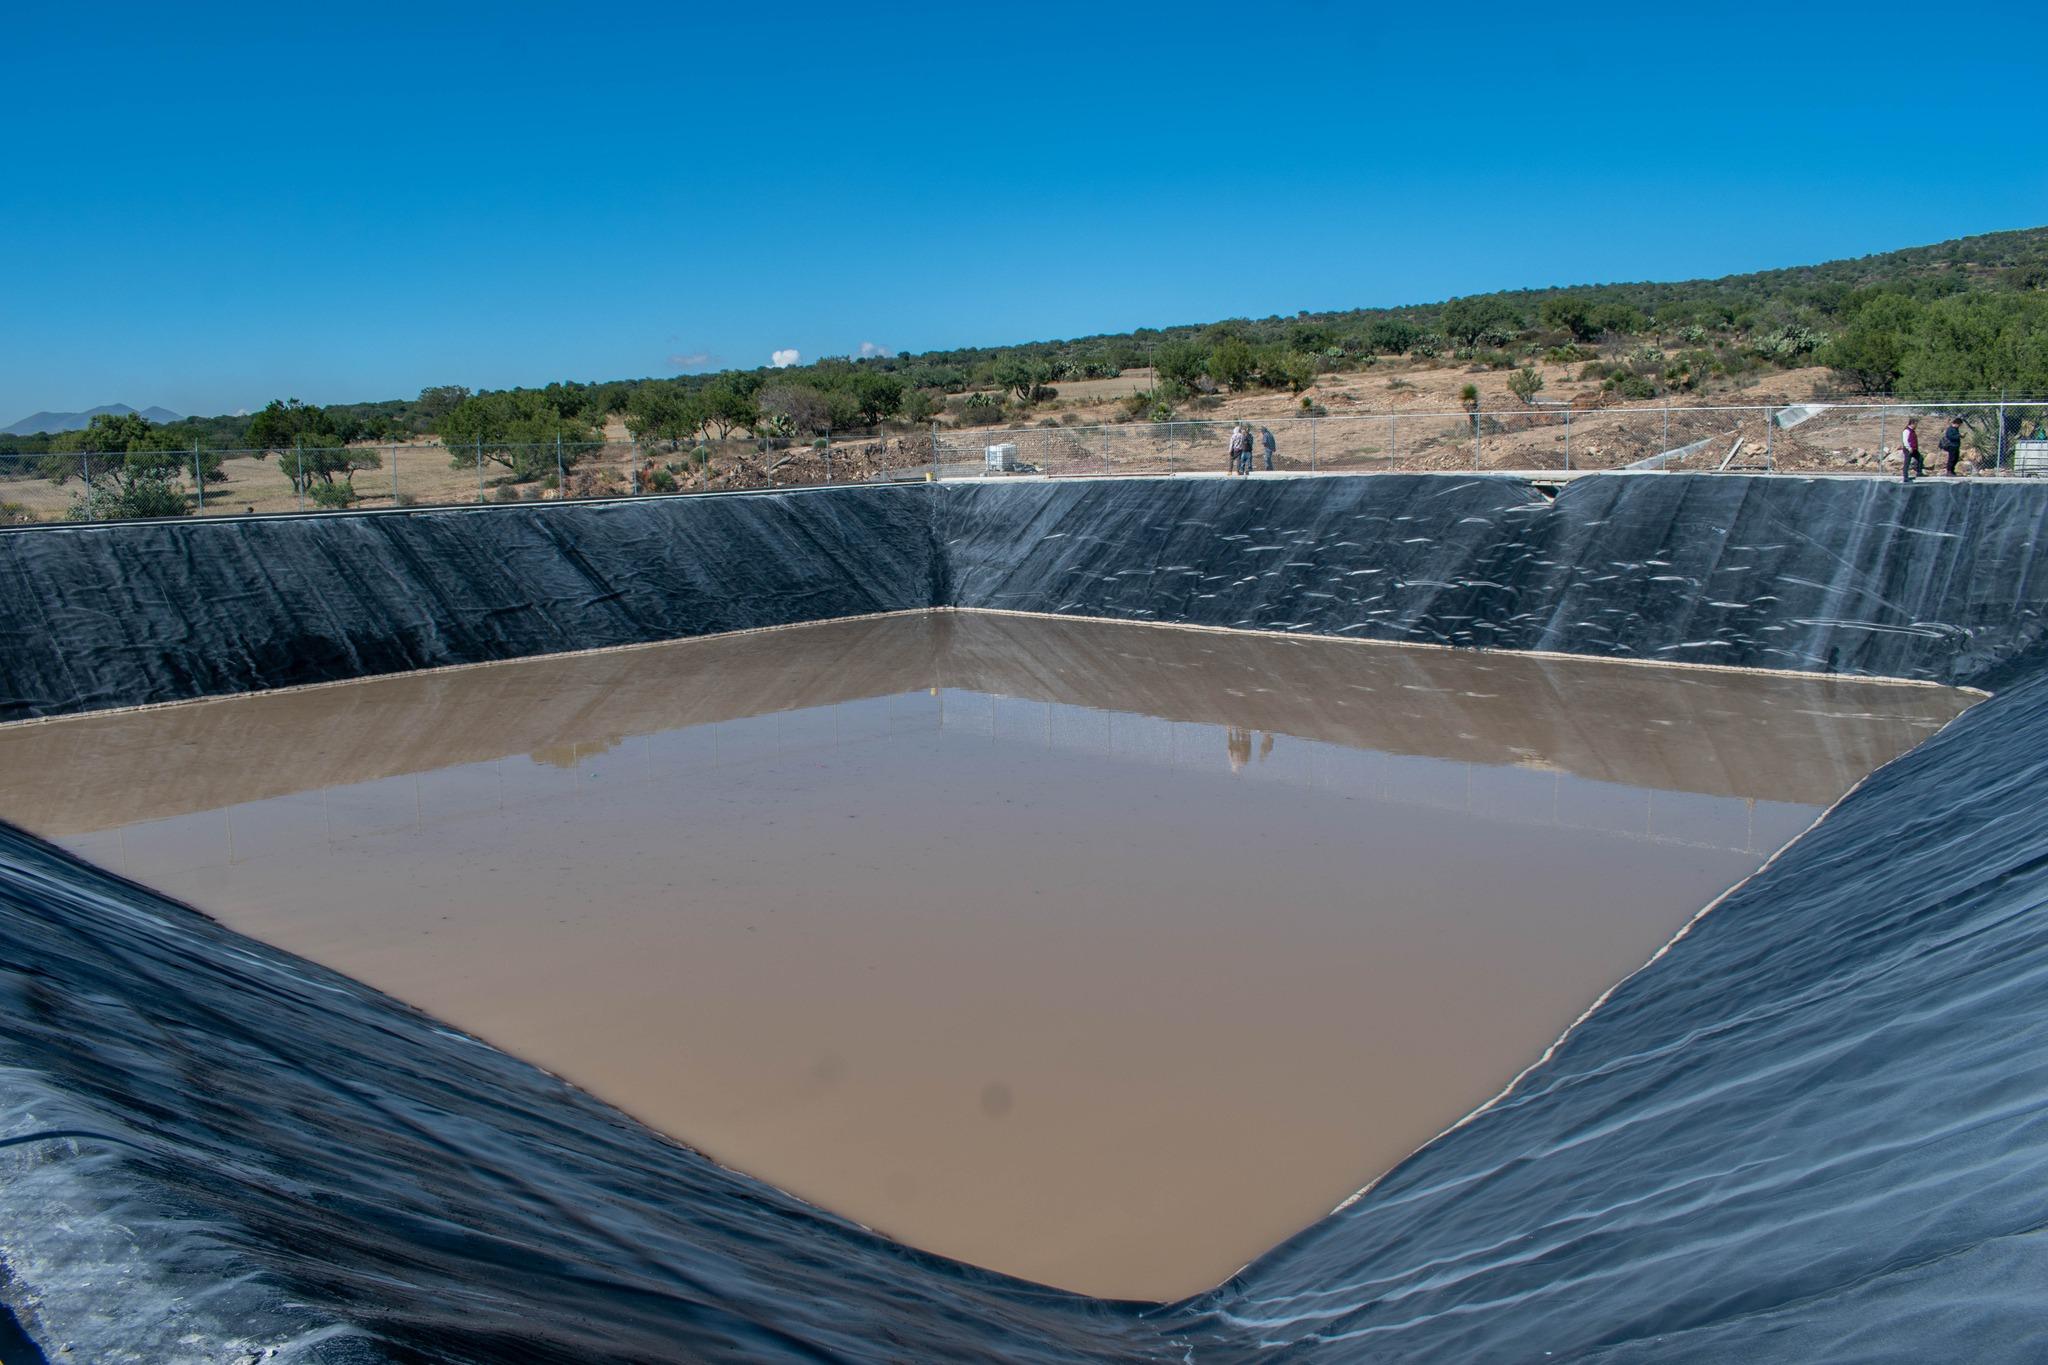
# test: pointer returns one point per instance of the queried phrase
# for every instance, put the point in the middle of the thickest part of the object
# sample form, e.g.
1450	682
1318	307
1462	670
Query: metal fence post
1567	438
85	463
198	479
935	452
479	469
394	475
1393	434
1770	464
561	471
1998	461
1667	429
299	457
1311	445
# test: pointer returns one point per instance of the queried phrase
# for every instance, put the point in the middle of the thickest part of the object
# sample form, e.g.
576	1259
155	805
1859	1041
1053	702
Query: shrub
1631	386
404	500
142	498
1391	336
1427	346
1525	384
1789	345
505	492
661	481
332	497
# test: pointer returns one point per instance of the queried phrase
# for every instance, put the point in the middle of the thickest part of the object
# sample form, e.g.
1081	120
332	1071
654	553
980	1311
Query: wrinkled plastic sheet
1812	1129
105	616
1864	576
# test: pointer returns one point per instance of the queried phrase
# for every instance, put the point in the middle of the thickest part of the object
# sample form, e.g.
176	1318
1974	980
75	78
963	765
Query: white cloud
692	360
870	350
782	360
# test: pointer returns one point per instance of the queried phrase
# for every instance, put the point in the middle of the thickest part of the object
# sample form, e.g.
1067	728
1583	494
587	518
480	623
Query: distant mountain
73	421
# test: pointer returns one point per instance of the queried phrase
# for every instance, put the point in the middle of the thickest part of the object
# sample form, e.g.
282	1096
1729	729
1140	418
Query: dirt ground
1403	414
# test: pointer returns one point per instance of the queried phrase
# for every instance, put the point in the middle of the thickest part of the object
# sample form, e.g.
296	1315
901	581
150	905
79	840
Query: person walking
1269	445
1952	443
1238	441
1909	451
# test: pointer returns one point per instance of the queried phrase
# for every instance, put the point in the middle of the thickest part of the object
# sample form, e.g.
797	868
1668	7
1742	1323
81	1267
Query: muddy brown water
1103	955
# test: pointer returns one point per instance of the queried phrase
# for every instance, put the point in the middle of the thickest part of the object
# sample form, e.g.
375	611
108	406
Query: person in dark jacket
1909	451
1269	445
1952	443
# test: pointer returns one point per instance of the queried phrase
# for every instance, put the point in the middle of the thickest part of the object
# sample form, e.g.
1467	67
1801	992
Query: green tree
1618	319
1978	345
1182	362
317	440
1391	336
1487	317
728	405
1233	363
798	407
1569	313
1281	368
438	401
663	412
521	430
876	395
288	424
1870	352
1028	377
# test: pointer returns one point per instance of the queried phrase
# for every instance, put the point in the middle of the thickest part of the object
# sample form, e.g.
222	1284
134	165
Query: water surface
1102	955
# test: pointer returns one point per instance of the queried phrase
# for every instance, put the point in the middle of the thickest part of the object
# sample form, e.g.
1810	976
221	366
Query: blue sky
206	207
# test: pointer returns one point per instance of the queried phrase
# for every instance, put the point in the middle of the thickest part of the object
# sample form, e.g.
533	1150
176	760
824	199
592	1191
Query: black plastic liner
1935	581
1815	1128
124	615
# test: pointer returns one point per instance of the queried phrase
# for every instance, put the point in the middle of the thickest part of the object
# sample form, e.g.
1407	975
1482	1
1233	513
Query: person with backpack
1909	451
1952	443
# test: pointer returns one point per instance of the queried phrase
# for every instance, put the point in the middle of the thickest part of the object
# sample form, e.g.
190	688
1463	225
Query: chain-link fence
98	485
1836	438
2001	438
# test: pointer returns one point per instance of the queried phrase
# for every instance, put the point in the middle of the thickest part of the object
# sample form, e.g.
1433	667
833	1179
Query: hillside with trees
1967	318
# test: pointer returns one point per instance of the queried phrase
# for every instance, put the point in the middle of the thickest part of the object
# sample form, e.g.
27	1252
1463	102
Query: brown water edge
1101	955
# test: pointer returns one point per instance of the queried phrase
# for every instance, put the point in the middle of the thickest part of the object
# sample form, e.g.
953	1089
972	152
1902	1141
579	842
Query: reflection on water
961	925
